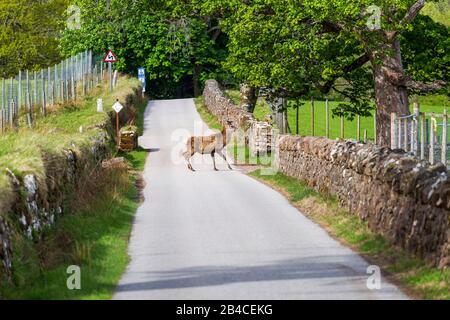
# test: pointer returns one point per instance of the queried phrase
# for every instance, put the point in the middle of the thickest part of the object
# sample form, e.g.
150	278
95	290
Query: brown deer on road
210	144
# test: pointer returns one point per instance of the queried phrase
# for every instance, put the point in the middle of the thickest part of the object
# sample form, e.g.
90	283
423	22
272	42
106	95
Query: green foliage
439	11
29	33
425	50
175	45
312	47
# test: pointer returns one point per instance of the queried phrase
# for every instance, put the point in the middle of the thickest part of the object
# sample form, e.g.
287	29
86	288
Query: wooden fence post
393	131
358	128
375	127
19	92
415	129
327	119
405	133
422	136
312	116
432	127
444	138
342	125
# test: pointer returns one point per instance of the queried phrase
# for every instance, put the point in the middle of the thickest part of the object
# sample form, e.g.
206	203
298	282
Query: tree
29	34
303	47
175	45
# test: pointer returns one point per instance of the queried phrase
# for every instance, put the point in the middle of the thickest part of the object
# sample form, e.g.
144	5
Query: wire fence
423	134
30	93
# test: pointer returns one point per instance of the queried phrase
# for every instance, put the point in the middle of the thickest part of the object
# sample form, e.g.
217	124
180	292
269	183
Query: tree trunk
248	97
390	96
279	114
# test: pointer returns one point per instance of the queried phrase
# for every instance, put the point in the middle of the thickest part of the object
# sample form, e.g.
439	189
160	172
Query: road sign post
110	58
141	77
117	107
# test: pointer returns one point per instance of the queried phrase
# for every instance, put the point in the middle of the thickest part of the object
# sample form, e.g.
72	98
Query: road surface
223	235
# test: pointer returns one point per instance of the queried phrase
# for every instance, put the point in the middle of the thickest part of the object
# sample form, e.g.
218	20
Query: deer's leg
189	153
220	153
214	160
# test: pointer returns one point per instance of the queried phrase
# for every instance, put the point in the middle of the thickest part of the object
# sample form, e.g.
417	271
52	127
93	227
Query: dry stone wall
36	203
401	197
405	199
259	133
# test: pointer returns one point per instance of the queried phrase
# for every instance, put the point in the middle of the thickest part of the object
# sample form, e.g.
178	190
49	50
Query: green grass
431	103
96	239
206	116
415	275
94	236
20	151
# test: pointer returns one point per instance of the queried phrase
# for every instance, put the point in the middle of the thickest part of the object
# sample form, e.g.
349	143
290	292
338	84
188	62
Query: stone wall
36	203
401	197
405	199
259	133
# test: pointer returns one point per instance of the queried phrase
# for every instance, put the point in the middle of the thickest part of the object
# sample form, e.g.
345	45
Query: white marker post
110	58
100	105
117	107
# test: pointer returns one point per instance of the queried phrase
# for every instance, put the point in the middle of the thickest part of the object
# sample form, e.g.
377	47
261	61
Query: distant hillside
438	11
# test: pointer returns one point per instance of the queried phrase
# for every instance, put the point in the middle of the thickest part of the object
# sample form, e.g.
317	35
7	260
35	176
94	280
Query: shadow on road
322	267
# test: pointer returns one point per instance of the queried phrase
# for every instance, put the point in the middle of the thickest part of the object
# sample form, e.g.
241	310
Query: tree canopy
177	47
29	34
355	48
363	50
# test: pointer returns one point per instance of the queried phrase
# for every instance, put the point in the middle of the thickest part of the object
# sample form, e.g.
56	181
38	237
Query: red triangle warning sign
110	57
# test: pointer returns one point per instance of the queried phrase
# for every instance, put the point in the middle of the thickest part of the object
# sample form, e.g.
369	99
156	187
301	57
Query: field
427	104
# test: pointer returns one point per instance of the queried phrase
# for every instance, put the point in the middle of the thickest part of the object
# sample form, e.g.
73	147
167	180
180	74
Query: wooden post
365	135
358	128
49	87
27	92
432	127
19	92
415	129
55	84
110	76
342	126
422	136
327	119
4	102
444	138
43	92
399	130
11	99
394	138
405	132
296	118
117	129
62	82
375	127
35	89
312	116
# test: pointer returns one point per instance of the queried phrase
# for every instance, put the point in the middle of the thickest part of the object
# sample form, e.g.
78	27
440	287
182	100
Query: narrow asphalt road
223	235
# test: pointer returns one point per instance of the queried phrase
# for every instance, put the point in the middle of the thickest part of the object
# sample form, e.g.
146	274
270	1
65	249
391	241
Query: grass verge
414	275
93	235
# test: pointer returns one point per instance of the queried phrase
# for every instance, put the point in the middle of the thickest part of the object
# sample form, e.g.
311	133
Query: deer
211	144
